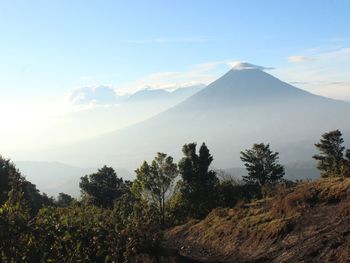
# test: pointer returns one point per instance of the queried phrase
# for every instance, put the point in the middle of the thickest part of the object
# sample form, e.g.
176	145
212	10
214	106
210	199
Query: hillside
308	223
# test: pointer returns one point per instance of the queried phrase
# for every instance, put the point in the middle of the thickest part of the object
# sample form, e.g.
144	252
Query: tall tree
198	185
345	167
103	187
11	178
347	154
64	200
331	150
262	165
155	182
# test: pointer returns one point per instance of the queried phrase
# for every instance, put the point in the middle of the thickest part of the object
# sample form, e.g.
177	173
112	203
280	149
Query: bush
76	233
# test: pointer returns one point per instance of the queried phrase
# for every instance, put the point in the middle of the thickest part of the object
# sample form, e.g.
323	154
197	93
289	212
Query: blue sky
51	50
50	47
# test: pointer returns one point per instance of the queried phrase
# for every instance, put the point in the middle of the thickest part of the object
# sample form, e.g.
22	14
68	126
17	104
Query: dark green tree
199	183
345	167
33	197
330	159
347	154
64	200
11	178
155	182
15	245
262	165
103	187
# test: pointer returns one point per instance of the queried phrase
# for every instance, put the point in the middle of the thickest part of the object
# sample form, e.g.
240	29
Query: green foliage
142	231
262	165
16	243
154	182
64	200
228	194
231	193
198	185
11	178
76	233
120	221
33	197
347	155
345	167
177	207
330	160
103	187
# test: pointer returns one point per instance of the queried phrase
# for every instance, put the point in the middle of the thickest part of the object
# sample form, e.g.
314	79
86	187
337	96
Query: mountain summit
246	86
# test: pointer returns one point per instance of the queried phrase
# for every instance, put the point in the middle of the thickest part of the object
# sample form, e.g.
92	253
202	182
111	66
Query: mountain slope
245	86
240	108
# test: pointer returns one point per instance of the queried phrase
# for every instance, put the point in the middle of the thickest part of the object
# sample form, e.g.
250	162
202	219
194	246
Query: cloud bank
97	95
203	73
239	65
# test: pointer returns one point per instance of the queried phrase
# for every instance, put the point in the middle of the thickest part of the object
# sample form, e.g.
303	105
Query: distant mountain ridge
106	95
178	94
53	178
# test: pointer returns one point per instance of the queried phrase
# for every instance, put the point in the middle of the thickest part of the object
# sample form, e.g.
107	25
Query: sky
50	49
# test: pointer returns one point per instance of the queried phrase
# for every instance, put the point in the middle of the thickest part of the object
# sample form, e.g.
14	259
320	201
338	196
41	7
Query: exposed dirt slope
309	223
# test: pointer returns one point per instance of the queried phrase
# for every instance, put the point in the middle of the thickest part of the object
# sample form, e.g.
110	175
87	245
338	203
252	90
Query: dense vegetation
123	221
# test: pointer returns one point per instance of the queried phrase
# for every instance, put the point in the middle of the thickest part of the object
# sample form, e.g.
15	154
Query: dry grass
250	231
292	202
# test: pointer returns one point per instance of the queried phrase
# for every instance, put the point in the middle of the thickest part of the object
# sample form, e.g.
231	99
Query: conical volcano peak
240	65
246	84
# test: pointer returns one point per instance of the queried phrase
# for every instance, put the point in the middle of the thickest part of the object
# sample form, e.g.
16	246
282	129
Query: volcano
244	106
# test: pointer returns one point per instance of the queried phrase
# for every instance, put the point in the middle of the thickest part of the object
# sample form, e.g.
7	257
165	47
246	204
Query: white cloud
198	74
296	59
239	65
203	73
98	95
327	75
89	97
